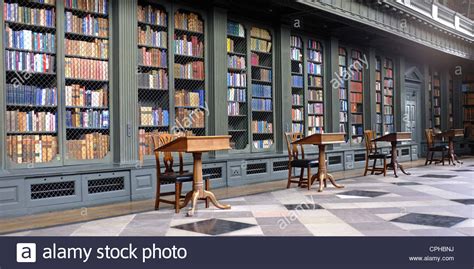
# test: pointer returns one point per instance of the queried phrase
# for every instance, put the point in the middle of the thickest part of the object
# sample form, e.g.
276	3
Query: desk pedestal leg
452	155
323	174
198	191
394	162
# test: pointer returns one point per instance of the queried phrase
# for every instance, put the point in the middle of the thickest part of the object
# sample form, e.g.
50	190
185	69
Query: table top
394	137
321	139
197	144
450	133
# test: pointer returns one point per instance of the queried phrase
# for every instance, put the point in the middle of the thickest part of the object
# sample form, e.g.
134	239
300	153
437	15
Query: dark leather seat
439	148
179	177
303	163
379	156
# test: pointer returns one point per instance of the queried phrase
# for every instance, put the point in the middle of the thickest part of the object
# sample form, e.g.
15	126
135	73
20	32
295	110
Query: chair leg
427	157
442	157
366	166
432	155
384	167
309	177
301	177
157	197
177	195
290	170
373	167
208	186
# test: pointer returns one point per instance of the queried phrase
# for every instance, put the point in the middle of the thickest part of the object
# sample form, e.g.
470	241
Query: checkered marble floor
432	201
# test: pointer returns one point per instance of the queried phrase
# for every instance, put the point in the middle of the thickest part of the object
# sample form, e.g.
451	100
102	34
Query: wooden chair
371	153
432	148
295	161
169	176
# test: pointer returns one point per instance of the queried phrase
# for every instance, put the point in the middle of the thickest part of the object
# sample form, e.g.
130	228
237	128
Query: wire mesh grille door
262	81
388	97
189	76
152	75
343	102
237	107
297	85
315	87
86	69
356	98
31	84
378	96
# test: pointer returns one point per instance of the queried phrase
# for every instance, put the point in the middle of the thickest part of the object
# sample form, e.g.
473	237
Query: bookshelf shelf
356	99
31	106
86	57
84	36
297	84
388	85
85	12
343	94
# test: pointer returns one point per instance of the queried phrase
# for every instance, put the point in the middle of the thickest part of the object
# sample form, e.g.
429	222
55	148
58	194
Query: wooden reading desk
393	138
197	145
321	140
450	135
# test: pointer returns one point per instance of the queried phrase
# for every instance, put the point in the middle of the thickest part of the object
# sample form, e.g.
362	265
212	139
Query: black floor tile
303	206
371	194
464	201
405	183
463	170
214	226
428	219
438	176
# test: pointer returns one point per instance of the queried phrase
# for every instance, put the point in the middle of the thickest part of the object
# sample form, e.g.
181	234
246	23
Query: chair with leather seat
169	176
296	159
372	153
432	148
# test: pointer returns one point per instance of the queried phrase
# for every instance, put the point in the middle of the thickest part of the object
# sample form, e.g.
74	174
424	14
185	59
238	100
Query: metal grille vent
405	152
213	172
359	157
106	185
51	190
335	160
256	168
280	166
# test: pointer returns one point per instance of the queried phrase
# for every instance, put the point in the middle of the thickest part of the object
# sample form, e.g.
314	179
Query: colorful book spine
30	40
31	95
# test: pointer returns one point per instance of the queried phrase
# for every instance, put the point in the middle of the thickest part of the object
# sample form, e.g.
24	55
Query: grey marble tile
429	219
363	193
213	226
438	176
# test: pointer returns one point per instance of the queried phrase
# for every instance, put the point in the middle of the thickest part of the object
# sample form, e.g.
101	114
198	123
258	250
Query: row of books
297	99
87	119
468	99
146	145
357	130
378	118
234	61
356	86
188	21
30	40
86	69
296	42
342	94
342	128
151	15
343	116
388	83
155	79
314	45
233	109
297	81
356	119
315	95
388	110
192	70
261	90
314	68
153	116
389	73
468	114
378	76
297	114
236	79
260	45
356	97
231	46
236	95
343	105
436	101
90	147
260	33
99	48
387	100
388	91
263	144
297	127
388	129
87	25
388	64
235	29
189	118
77	95
356	75
378	97
152	57
262	104
315	130
97	6
188	45
357	108
262	74
262	127
31	95
296	55
388	119
297	68
29	62
316	108
315	56
342	61
149	37
15	12
315	81
31	121
344	74
315	121
193	98
32	148
437	111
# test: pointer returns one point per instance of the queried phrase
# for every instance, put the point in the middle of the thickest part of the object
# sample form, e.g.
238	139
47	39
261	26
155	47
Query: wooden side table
450	135
394	138
321	140
198	145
